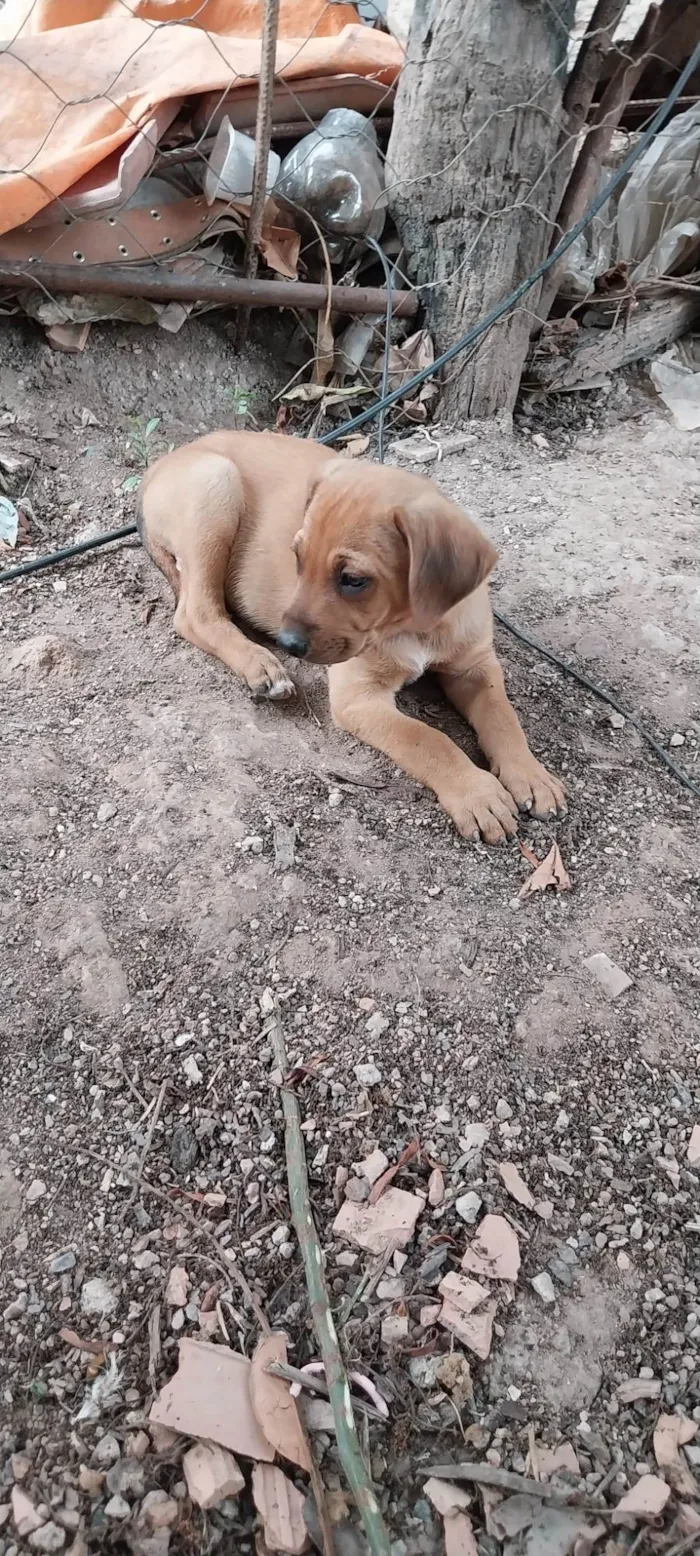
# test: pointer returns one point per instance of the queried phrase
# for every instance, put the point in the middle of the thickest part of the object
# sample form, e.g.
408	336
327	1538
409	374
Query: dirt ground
171	850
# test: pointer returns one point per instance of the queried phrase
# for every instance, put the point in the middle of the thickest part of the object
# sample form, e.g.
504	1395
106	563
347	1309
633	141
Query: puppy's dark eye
351	583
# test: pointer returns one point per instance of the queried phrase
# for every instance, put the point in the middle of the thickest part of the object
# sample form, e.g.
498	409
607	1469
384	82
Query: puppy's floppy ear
322	474
448	557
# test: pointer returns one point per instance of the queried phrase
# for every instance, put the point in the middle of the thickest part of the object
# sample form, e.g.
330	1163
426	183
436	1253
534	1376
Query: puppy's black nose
293	641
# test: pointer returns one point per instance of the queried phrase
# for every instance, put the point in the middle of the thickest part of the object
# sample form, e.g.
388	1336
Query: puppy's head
379	551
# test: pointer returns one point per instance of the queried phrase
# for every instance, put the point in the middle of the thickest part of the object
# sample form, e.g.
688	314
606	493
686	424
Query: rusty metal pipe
163	286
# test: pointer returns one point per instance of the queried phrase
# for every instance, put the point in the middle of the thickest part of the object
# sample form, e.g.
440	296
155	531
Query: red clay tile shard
275	1409
495	1251
515	1185
459	1536
468	1312
281	1508
211	1474
391	1221
209	1397
644	1502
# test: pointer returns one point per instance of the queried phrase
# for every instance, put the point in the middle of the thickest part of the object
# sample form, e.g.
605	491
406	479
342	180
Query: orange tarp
71	94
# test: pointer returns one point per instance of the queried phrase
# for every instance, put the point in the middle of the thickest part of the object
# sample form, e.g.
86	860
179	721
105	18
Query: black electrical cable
66	553
601	694
387	400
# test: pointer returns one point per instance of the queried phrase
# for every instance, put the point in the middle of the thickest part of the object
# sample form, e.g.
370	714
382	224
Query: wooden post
472	178
263	137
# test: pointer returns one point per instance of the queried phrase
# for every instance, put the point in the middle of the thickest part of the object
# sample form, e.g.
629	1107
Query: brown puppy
366	569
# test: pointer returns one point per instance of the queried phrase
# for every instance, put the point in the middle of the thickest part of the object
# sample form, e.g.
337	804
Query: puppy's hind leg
191	514
201	617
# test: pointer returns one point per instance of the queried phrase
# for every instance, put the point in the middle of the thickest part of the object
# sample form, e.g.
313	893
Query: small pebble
62	1263
468	1207
367	1075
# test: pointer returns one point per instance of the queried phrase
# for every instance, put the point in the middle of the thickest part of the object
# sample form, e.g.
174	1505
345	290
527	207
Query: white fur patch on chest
412	654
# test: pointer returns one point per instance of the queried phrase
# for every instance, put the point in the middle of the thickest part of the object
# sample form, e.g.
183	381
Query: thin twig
339	1391
684	1544
519	1485
367	1284
232	1271
317	1385
154	1347
147	1145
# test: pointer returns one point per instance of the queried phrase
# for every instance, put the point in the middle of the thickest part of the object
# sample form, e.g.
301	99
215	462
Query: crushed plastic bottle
336	174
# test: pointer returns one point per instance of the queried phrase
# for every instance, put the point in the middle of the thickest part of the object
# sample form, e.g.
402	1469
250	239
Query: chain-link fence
123	118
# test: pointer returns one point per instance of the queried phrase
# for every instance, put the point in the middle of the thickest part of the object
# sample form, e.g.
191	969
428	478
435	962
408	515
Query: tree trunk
472	176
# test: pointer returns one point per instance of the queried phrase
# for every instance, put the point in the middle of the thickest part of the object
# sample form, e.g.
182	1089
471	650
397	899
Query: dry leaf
275	1410
645	1501
382	1183
309	394
325	350
550	872
281	1508
529	854
356	445
495	1251
513	1182
279	247
147	610
209	1397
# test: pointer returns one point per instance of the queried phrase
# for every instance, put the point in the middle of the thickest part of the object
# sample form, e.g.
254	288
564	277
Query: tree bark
472	177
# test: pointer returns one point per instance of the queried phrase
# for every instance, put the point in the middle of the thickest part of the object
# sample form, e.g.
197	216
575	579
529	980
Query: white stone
97	1299
468	1207
367	1074
544	1287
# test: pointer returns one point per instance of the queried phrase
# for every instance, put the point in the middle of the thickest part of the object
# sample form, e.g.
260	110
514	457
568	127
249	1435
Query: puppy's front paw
532	787
483	809
266	677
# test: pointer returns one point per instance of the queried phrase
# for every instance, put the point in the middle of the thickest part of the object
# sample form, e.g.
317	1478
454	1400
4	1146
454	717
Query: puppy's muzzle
294	641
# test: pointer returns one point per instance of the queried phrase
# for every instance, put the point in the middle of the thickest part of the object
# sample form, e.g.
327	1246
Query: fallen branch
160	285
349	1450
595	44
589	164
596	352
